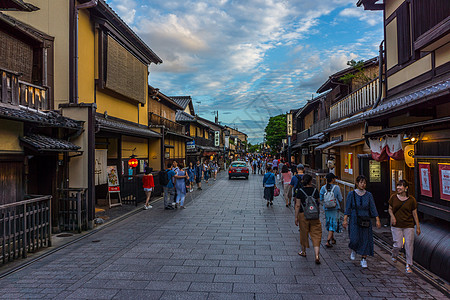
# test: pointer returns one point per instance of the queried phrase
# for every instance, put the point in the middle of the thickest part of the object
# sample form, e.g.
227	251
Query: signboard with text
289	124
113	179
190	145
425	179
217	138
444	181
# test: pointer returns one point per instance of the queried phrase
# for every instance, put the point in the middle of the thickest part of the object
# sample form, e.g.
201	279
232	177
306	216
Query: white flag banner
394	146
378	148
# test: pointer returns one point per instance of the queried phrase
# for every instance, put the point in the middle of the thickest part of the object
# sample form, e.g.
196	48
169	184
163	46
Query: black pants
268	193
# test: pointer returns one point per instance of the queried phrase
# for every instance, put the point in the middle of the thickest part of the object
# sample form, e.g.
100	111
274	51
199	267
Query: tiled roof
18	5
125	128
50	119
183	101
48	144
353	120
413	98
182	116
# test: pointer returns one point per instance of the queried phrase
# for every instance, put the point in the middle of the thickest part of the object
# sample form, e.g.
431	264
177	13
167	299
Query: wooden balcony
204	142
155	119
355	102
16	92
303	135
319	126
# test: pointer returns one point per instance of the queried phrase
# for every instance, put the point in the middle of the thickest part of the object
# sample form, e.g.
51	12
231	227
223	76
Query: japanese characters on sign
425	179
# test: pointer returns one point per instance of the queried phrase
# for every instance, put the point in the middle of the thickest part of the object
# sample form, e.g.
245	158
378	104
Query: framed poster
444	181
374	171
425	179
350	163
113	179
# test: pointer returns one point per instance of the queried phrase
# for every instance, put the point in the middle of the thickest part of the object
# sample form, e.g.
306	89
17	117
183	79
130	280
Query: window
404	33
427	14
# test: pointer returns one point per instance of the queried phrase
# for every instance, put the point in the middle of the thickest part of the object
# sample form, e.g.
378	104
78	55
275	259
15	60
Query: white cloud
367	16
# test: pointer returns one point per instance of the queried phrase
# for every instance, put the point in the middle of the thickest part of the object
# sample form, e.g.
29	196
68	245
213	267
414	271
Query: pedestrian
308	196
269	186
206	170
403	212
175	168
191	173
254	165
166	180
296	181
198	175
148	184
286	178
180	186
330	195
275	165
360	207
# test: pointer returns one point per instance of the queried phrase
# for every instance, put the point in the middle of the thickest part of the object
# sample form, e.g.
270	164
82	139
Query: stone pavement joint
226	245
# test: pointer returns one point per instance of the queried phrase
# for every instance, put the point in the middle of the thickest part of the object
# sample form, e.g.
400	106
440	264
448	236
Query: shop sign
227	141
409	155
289	124
217	138
349	164
190	145
113	179
444	181
374	171
425	179
305	151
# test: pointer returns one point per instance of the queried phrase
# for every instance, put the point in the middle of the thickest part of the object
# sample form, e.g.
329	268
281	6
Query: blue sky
250	59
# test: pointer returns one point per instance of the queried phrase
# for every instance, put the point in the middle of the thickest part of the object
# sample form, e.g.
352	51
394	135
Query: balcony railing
357	101
204	142
16	92
320	126
25	227
155	119
303	135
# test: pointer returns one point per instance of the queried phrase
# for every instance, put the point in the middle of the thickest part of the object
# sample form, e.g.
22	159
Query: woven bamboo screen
16	56
125	74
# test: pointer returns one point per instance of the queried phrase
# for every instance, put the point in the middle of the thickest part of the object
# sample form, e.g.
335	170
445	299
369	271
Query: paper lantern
133	162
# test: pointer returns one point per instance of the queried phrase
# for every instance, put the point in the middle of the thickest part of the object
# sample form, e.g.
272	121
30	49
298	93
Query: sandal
301	253
328	245
317	260
333	241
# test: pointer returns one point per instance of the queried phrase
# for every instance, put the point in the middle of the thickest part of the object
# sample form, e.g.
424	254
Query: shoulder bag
362	221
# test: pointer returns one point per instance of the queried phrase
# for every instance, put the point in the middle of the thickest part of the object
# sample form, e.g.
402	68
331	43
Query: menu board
374	171
425	179
444	181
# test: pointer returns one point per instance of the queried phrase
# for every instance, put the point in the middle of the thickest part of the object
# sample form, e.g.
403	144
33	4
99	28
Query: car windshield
239	165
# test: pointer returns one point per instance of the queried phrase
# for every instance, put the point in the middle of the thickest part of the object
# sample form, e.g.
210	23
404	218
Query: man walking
198	175
169	190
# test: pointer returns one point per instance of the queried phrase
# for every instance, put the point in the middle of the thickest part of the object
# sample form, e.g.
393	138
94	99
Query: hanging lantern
133	162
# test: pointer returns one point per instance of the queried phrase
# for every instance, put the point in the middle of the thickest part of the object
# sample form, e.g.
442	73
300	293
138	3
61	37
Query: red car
238	169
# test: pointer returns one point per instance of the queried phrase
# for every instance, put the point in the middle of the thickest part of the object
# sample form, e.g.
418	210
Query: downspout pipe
380	87
89	4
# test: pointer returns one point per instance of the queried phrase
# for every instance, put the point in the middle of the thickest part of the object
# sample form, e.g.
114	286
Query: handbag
362	221
276	192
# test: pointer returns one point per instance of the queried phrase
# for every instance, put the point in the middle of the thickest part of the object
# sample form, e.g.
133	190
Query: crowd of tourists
309	201
177	180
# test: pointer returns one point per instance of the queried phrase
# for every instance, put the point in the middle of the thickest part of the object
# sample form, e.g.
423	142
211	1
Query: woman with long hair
360	207
286	177
330	195
403	212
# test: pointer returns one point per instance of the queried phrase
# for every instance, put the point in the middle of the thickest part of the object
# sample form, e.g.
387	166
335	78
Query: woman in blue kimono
360	203
180	185
191	174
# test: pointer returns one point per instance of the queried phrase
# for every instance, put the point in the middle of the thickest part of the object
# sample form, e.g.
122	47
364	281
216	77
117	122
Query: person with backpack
296	181
198	175
165	179
360	207
330	196
307	217
269	186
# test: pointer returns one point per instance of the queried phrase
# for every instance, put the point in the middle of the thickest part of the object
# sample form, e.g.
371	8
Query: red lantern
133	162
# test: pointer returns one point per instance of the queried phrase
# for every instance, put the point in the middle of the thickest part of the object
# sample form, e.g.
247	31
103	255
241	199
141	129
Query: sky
250	59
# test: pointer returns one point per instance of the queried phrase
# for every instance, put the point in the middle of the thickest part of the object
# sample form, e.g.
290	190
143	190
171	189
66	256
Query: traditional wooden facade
101	79
414	111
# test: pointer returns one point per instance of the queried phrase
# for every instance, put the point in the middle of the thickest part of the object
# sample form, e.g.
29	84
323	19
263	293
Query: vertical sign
393	186
227	141
217	138
425	179
374	171
350	163
113	179
289	124
444	181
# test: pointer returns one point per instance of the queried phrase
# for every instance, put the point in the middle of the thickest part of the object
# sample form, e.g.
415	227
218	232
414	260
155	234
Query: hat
330	176
300	166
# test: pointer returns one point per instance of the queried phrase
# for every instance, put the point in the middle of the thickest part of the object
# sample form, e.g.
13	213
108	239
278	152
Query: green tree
275	132
358	75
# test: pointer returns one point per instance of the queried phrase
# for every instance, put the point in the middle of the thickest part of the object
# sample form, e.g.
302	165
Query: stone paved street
225	245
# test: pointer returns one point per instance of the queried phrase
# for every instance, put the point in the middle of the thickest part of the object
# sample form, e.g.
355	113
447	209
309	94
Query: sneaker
408	269
174	204
394	259
145	207
363	263
353	255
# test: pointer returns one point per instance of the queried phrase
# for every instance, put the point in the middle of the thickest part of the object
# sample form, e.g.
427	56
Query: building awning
349	143
316	137
179	135
131	129
353	120
328	145
42	143
45	119
419	96
17	5
416	127
207	148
